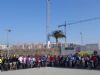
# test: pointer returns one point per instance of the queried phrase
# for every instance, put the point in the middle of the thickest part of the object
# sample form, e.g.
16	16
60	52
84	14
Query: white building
3	47
92	47
87	47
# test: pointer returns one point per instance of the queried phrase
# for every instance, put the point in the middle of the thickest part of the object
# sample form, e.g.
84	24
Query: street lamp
48	23
8	31
81	34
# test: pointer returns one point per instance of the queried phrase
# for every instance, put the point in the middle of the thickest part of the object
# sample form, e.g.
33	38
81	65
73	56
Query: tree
57	34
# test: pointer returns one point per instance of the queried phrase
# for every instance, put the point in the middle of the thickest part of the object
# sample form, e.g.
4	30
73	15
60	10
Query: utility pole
48	23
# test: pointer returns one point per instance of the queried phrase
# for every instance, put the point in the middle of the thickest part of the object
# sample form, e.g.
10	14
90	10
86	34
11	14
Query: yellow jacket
0	60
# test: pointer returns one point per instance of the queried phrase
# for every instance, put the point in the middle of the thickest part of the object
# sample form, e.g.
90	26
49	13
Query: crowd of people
72	61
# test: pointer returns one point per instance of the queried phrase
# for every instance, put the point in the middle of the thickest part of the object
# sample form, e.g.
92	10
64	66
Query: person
1	63
14	62
95	59
20	59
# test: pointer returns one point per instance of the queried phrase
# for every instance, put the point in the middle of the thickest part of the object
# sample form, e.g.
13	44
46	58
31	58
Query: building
72	48
3	47
92	47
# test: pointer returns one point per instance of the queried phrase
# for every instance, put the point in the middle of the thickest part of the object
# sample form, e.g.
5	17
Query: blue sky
27	19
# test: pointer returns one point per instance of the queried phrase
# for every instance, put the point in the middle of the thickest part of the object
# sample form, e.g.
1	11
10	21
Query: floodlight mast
8	45
48	23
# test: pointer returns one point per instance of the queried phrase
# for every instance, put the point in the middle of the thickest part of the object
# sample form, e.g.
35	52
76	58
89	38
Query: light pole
81	34
8	48
48	23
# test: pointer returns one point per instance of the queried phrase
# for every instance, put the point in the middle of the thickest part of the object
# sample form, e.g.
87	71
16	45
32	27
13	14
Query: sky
27	20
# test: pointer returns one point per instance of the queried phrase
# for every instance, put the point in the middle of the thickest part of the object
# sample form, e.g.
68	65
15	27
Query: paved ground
51	71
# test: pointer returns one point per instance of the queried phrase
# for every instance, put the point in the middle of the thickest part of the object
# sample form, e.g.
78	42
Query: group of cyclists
71	61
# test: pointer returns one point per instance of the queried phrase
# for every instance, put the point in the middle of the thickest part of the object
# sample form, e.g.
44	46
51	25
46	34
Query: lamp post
8	31
81	34
48	23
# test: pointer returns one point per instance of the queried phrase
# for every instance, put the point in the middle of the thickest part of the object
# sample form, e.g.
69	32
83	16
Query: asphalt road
51	71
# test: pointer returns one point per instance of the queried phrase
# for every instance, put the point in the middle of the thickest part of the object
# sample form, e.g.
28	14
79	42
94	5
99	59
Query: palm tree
57	34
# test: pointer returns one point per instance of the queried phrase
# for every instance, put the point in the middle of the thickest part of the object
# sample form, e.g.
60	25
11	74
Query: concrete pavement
51	71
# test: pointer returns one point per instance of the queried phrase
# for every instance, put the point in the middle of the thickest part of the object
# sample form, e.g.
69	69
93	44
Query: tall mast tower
48	23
